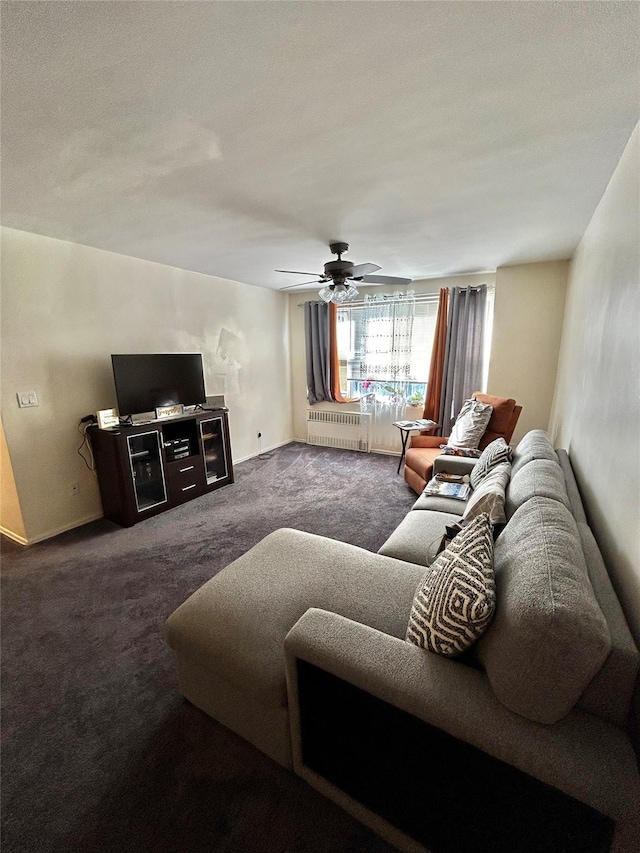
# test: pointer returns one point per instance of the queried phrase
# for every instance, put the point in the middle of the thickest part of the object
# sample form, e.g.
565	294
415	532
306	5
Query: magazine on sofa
460	491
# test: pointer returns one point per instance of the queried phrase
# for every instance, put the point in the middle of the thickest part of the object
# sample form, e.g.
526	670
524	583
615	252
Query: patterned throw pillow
456	599
493	454
472	452
471	424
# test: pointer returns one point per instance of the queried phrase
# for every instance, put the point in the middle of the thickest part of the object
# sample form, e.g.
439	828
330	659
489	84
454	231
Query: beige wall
527	327
596	409
67	307
11	521
298	360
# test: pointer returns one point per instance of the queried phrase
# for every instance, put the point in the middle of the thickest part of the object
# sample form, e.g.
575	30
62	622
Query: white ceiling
232	138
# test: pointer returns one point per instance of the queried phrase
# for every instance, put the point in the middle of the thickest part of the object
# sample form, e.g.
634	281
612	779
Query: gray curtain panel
316	328
464	351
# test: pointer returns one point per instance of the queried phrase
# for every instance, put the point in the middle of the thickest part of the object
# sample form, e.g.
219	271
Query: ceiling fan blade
363	269
301	284
297	272
385	279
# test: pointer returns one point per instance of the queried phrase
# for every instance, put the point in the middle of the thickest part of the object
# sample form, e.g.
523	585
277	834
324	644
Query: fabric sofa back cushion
540	477
536	444
549	637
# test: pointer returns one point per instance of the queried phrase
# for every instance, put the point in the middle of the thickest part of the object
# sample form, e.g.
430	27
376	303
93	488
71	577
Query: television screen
145	382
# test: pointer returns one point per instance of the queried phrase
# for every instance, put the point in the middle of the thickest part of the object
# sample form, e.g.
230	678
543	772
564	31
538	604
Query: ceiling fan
342	275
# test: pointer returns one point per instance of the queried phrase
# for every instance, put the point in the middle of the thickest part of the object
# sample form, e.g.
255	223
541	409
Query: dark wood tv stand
146	468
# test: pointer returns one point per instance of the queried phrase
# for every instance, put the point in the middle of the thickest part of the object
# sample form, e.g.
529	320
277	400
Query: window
385	343
384	347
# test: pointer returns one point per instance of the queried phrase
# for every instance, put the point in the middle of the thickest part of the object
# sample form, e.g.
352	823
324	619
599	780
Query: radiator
346	430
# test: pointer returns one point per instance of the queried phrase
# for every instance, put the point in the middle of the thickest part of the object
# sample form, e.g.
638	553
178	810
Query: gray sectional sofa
519	745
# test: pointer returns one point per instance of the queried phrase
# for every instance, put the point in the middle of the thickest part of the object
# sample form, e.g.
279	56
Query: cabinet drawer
186	479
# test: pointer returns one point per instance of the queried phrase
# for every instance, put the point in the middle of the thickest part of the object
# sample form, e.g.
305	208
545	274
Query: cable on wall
85	447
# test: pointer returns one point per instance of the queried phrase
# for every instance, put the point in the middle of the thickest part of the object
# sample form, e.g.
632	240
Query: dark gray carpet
100	752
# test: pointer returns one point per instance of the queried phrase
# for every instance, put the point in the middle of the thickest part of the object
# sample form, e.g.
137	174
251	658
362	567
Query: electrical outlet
26	399
74	489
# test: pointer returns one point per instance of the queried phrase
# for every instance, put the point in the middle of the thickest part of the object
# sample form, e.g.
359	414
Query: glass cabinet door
146	467
213	446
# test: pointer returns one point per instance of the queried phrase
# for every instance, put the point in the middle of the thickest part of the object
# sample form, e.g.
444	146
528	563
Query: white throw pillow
490	494
471	424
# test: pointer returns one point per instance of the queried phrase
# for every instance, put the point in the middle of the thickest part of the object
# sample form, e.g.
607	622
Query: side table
406	427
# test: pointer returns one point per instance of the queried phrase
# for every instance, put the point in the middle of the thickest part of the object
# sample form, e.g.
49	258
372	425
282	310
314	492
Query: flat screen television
145	382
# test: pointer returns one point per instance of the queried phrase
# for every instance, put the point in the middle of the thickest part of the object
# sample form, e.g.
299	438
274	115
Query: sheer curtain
382	350
464	351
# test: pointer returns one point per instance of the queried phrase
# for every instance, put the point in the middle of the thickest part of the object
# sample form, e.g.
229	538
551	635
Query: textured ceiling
232	138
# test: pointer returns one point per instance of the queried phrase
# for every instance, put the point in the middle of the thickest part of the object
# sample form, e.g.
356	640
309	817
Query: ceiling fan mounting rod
339	249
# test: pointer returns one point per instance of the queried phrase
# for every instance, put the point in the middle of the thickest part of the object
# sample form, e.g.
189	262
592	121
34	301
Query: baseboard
32	540
14	536
372	450
264	450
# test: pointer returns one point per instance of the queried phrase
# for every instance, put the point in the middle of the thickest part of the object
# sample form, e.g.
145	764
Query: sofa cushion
236	623
490	495
493	454
470	424
455	601
536	444
549	637
453	506
540	477
417	535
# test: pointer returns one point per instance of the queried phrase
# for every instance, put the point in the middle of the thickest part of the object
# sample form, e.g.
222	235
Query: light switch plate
27	399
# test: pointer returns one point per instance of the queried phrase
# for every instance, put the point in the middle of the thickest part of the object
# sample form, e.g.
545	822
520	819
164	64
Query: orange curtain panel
436	370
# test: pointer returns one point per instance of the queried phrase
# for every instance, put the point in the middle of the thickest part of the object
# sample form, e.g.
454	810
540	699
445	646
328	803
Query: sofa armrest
581	754
432	441
453	464
440	691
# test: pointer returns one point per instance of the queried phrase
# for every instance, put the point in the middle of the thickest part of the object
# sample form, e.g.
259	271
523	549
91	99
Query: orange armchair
423	450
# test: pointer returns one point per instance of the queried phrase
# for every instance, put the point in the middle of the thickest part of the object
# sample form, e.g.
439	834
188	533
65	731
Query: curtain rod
358	303
419	297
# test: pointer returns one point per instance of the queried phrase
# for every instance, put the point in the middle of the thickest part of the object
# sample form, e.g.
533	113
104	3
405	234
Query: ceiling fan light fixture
326	293
352	292
339	294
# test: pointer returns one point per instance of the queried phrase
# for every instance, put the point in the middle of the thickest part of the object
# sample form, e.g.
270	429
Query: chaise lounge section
520	744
